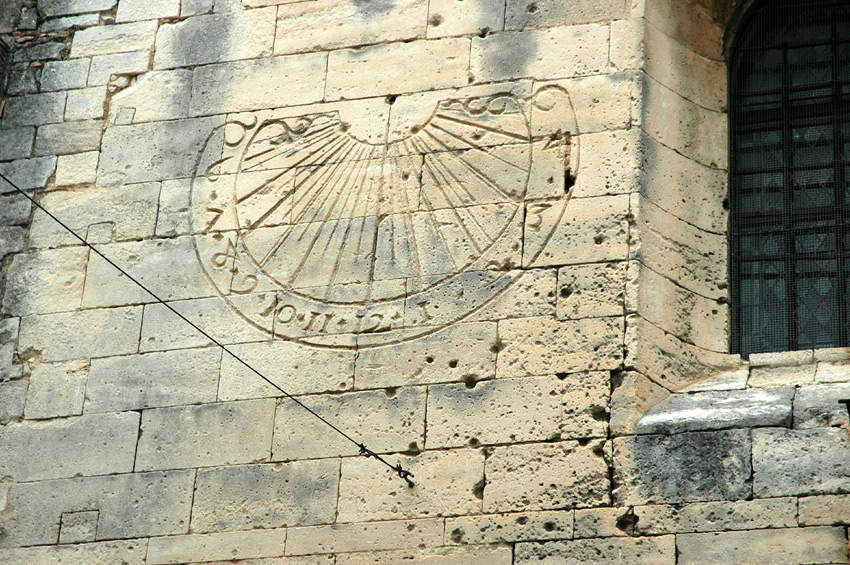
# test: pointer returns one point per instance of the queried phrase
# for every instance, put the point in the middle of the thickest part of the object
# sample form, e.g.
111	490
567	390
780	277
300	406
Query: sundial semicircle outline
313	235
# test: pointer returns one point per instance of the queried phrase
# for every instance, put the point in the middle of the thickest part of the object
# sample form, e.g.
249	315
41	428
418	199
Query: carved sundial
315	235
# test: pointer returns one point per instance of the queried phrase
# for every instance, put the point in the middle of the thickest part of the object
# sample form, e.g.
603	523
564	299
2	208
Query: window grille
790	181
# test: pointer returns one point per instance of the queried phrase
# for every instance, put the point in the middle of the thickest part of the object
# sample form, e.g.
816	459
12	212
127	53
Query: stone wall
485	238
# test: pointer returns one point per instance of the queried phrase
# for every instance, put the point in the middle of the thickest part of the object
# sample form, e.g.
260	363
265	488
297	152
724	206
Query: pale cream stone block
832	372
525	14
780	376
711	516
782	358
591	291
387	69
56	390
447	483
545	476
331	24
829	510
464	17
511	527
105	66
628	50
85	104
472	555
736	379
45	281
798	545
540	346
135	10
365	536
659	550
689	23
104	40
531	294
210	547
125	552
832	354
79	168
608	163
154	96
633	395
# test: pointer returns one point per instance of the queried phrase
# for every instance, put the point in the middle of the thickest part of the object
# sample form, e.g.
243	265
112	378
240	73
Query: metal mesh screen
790	182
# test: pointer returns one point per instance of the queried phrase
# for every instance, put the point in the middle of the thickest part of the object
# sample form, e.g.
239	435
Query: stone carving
314	235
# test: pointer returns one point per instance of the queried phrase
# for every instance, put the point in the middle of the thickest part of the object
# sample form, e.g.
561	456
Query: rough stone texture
27	173
777	376
688	467
711	516
68	137
448	18
57	389
13	395
220	546
523	14
374	536
482	555
105	40
829	510
125	552
524	526
16	143
818	407
45	282
133	10
105	66
80	168
641	551
802	545
154	96
78	527
34	110
832	372
586	291
63	75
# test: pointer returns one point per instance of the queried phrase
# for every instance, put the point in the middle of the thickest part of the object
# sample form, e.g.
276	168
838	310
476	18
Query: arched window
790	178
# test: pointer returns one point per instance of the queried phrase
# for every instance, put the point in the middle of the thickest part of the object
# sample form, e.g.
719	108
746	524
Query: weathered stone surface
524	14
384	69
16	143
57	389
152	380
97	444
154	96
27	173
152	151
34	109
560	52
219	546
80	21
14	210
779	376
9	364
64	75
68	137
735	379
602	103
603	522
447	483
105	66
173	217
12	240
390	421
205	435
322	26
829	510
545	476
628	50
694	25
265	496
713	516
80	168
82	334
524	526
450	18
70	7
481	555
125	552
609	157
134	10
366	536
540	346
782	358
721	409
586	291
688	467
78	527
104	40
463	351
129	505
800	462
532	294
638	551
799	545
85	104
39	52
816	406
13	396
832	372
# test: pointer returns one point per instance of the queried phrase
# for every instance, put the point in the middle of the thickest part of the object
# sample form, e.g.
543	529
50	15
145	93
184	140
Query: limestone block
633	394
628	49
52	8
13	396
21	80
609	159
778	376
188	376
385	69
797	545
525	14
323	26
85	104
131	209
586	291
79	168
160	505
105	66
37	52
196	7
174	216
540	346
125	552
800	462
68	22
547	476
712	516
390	421
96	444
135	10
448	18
78	527
82	334
715	410
463	351
64	75
219	546
152	151
829	510
265	496
16	143
27	173
9	327
209	434
68	137
659	550
782	358
120	38
687	467
587	230
57	389
495	528
447	483
832	372
602	103
9	364
34	109
12	240
482	555
365	536
690	24
832	354
154	96
14	210
531	294
735	379
603	522
816	406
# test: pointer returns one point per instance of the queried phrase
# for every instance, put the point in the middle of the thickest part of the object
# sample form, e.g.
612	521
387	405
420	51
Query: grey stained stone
63	75
27	174
14	210
34	109
22	79
78	527
39	51
16	143
13	395
660	550
72	7
68	22
718	410
68	137
800	462
12	240
525	14
129	505
687	467
265	496
817	406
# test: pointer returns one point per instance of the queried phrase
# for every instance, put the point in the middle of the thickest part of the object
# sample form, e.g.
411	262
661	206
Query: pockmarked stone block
34	109
251	544
57	389
817	406
800	462
539	346
68	137
45	281
365	536
798	545
687	467
525	14
447	483
245	497
522	526
531	294
603	522
586	291
660	550
450	18
97	444
546	476
126	552
779	376
210	434
386	421
78	527
119	38
713	516
473	555
188	376
828	510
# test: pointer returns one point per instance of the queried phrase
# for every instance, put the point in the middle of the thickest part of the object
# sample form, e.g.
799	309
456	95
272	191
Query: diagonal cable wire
402	473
